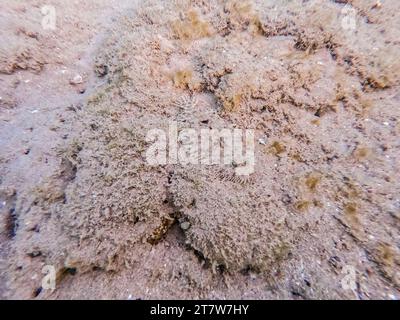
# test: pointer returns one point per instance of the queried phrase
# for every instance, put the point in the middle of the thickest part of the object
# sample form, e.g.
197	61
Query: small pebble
76	80
262	141
35	254
377	5
185	226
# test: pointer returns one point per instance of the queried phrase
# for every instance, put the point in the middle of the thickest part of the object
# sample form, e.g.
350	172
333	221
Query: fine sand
318	83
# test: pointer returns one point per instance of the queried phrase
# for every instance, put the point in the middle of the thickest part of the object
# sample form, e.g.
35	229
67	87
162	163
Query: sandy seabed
318	83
